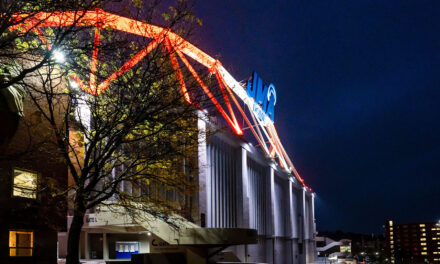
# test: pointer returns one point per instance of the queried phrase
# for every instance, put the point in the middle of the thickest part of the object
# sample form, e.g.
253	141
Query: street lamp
73	84
59	56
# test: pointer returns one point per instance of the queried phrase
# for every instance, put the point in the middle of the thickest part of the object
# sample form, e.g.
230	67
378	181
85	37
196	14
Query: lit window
21	243
25	184
424	253
423	234
391	233
423	244
423	229
390	222
424	248
345	249
392	246
392	242
422	239
422	225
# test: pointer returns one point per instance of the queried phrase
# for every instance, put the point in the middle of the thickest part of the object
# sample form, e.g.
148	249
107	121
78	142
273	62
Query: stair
187	234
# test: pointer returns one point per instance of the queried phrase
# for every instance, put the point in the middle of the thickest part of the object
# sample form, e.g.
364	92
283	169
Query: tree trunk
74	237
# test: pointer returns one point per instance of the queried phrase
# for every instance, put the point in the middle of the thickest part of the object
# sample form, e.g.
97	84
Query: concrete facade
239	188
267	199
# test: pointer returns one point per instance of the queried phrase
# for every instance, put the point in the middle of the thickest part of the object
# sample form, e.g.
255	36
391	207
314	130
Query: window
21	243
25	184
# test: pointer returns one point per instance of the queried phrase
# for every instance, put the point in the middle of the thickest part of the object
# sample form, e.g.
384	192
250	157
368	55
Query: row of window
24	184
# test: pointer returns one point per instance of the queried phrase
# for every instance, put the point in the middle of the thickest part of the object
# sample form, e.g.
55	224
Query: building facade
413	242
251	204
30	215
260	212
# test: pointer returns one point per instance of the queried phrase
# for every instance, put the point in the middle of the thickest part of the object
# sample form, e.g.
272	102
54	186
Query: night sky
358	85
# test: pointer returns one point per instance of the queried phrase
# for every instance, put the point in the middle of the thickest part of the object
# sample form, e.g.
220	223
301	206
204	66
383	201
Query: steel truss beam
265	132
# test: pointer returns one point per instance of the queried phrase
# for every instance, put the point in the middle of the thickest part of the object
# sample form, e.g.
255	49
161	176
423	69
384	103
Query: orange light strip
292	167
236	128
94	62
128	65
228	104
240	109
103	19
176	68
42	38
87	18
80	83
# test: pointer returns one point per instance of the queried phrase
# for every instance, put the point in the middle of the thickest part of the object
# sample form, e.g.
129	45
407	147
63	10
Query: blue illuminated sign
124	249
264	96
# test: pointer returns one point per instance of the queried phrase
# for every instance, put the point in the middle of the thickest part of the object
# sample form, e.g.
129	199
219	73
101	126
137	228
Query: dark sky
358	85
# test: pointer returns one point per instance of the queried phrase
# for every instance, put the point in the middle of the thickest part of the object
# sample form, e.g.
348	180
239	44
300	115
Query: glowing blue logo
264	96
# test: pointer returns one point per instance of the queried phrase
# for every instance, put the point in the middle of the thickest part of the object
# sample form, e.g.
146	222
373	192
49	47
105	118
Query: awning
188	233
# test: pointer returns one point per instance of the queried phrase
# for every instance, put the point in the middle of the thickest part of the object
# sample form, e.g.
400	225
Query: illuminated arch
263	130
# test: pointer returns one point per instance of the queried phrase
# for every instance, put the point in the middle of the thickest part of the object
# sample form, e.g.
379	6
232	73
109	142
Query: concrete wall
267	199
240	187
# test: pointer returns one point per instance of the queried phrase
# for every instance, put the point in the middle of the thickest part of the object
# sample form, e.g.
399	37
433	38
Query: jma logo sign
265	96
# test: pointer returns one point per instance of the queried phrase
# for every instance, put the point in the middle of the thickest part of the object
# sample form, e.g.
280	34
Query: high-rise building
413	242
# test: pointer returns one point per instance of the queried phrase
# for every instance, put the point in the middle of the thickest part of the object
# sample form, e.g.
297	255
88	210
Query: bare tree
140	130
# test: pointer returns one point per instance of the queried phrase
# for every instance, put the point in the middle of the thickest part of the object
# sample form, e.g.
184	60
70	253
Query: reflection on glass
25	184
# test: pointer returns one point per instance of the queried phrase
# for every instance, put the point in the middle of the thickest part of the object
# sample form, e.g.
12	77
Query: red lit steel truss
263	130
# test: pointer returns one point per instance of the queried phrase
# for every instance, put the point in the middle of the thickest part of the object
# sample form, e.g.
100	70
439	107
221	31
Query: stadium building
252	205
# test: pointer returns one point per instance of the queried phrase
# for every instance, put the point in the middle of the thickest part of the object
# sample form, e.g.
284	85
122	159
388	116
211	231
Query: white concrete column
291	212
303	237
270	225
204	176
303	224
243	192
271	203
313	228
312	215
104	246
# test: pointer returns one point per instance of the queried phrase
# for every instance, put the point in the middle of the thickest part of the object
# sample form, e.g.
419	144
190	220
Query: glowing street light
73	84
59	56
